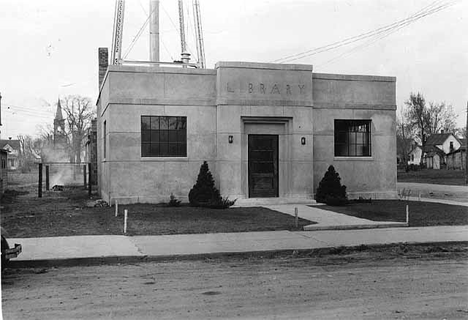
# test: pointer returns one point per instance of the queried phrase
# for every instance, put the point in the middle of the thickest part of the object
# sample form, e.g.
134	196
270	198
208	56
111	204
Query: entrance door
263	165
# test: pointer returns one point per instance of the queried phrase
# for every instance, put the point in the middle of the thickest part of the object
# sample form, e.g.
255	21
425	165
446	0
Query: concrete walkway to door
328	220
325	220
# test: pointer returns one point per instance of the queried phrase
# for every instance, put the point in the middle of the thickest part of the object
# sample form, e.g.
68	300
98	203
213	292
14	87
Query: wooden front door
263	165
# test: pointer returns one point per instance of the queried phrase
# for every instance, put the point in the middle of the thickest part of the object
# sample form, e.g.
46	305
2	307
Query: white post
296	213
125	220
407	215
116	208
419	196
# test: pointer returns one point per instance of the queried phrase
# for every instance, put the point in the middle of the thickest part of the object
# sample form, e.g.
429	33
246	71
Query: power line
26	109
350	40
26	113
430	9
382	36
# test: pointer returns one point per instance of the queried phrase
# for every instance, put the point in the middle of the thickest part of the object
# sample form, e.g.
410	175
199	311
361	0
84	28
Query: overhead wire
349	40
384	35
373	33
25	109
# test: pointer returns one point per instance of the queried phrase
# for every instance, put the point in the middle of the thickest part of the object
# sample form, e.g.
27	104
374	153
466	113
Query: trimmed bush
330	189
173	201
336	202
222	203
204	191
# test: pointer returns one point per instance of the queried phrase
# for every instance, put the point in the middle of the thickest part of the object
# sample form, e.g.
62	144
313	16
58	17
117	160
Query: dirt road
363	285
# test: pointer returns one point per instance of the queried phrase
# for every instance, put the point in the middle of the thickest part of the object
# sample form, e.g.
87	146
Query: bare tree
79	112
418	117
404	135
28	152
440	117
426	120
461	132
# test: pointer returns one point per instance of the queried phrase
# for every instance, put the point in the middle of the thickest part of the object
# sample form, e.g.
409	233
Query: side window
163	136
353	138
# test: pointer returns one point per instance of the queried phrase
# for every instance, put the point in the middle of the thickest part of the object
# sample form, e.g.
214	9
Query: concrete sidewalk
85	249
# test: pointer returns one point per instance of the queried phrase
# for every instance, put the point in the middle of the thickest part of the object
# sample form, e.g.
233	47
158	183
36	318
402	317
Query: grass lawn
69	213
442	176
421	213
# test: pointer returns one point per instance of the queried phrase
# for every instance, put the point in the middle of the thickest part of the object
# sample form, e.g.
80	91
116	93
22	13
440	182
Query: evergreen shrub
330	190
205	194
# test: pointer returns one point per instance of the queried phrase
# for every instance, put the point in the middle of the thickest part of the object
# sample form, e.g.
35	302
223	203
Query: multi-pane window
163	136
352	138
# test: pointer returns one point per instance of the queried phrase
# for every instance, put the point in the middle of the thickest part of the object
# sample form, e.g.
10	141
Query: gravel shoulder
436	191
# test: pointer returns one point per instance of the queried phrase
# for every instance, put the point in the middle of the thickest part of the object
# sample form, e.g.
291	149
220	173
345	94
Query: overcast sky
49	47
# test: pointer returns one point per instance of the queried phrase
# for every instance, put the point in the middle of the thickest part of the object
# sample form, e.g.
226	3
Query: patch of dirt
69	213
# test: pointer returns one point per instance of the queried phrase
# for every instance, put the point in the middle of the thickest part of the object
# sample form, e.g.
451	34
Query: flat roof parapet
352	77
157	69
260	65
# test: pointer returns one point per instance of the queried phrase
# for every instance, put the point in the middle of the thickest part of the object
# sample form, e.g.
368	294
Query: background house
434	157
456	160
436	150
414	156
438	146
13	149
3	170
446	142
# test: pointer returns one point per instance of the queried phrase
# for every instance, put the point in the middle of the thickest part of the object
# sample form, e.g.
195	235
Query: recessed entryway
263	165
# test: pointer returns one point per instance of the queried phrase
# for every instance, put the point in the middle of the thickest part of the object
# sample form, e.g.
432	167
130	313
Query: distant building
447	142
12	147
414	156
60	138
3	170
436	150
91	150
56	148
457	159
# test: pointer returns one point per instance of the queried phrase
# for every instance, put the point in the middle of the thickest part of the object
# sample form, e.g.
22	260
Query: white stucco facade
225	109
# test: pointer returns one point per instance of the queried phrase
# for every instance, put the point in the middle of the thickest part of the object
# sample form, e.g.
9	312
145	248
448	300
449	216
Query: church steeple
58	113
59	124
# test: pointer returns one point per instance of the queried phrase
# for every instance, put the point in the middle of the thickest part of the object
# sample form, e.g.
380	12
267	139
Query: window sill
353	158
164	159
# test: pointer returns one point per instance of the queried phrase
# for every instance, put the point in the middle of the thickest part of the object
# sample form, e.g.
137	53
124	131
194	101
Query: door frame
276	165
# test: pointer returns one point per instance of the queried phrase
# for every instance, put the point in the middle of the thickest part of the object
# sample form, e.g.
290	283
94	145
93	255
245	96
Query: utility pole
182	27
154	30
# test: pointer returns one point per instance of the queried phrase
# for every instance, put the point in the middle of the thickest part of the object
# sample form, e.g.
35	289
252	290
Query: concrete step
255	202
